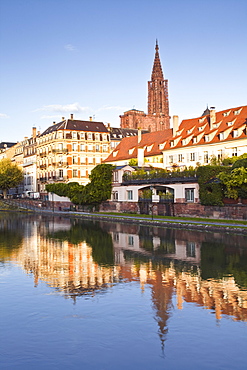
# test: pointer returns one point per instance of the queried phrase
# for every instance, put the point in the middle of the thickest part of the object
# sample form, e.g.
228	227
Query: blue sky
94	58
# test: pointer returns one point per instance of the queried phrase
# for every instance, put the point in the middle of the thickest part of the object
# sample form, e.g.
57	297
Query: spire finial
156	46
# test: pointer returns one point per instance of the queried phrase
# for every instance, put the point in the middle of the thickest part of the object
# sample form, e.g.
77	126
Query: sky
94	58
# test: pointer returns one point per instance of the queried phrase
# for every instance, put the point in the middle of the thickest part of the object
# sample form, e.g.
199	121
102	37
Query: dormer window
225	114
236	112
161	146
235	133
172	143
184	142
206	137
221	136
194	140
201	120
230	123
200	128
131	150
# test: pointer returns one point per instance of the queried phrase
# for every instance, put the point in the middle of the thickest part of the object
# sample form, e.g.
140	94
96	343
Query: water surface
95	295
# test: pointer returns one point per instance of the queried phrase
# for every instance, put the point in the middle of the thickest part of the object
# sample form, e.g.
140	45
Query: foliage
240	163
10	175
235	182
231	160
147	194
94	193
154	173
133	162
210	188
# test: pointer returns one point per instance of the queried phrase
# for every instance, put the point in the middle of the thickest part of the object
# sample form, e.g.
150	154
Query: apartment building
68	151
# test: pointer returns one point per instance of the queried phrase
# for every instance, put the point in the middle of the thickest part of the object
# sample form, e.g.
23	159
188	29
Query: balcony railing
60	150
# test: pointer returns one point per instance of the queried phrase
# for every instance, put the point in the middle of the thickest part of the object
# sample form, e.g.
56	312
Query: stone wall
231	211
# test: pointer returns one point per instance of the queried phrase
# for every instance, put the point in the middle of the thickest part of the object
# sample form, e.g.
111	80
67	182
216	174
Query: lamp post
151	188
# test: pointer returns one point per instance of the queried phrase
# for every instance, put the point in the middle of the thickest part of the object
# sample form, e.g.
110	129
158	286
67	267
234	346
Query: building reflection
77	258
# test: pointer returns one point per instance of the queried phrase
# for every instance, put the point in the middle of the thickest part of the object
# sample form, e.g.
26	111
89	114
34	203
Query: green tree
10	175
235	182
133	162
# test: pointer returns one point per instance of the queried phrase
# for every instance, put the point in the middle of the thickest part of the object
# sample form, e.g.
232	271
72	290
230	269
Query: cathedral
157	118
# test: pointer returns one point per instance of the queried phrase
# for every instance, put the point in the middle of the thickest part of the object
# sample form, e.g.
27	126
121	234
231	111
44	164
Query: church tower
158	103
157	118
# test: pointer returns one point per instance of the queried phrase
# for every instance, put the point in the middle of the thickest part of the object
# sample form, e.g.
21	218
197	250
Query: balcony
59	150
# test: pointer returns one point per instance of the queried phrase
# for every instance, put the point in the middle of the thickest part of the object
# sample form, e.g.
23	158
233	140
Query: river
79	294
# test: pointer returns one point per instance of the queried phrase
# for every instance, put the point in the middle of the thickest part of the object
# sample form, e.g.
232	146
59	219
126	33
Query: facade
181	190
195	141
214	135
69	150
157	118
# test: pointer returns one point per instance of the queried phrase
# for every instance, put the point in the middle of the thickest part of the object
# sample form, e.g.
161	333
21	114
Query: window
130	194
74	160
89	136
60	146
82	135
206	138
90	147
82	147
234	152
98	160
115	176
104	148
97	147
130	240
60	173
191	249
74	135
83	159
83	173
192	157
74	147
221	136
205	157
96	136
235	133
170	158
115	195
189	195
194	140
90	160
180	158
74	173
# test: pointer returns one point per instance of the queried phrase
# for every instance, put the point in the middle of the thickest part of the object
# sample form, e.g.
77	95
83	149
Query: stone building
157	118
68	151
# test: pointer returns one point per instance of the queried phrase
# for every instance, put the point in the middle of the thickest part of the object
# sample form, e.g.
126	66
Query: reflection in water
78	258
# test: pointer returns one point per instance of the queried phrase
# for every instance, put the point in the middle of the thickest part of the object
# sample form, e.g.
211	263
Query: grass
165	218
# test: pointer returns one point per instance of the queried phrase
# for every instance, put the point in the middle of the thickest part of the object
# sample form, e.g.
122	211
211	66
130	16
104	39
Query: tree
235	182
94	193
10	175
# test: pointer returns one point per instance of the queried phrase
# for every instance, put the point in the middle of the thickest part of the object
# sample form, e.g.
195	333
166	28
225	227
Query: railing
167	180
59	150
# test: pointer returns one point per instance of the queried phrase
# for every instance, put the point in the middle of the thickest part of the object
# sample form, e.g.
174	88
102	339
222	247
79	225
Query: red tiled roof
222	124
188	129
127	148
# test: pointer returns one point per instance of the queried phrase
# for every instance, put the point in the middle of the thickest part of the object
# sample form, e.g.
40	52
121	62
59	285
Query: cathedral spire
158	103
157	69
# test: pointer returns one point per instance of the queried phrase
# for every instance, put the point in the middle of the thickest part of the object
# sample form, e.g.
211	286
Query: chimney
140	157
63	118
108	126
34	132
175	125
54	122
139	135
71	116
90	118
212	118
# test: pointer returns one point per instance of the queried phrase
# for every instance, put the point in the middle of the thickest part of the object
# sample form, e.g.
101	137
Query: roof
151	142
76	125
197	131
6	144
118	133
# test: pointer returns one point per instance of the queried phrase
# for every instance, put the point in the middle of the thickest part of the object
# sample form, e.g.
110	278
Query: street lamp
151	188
